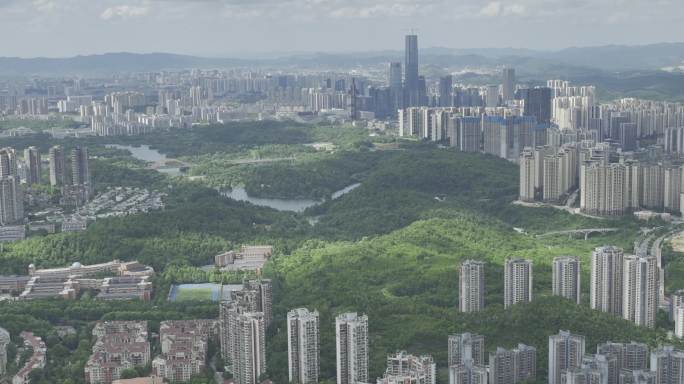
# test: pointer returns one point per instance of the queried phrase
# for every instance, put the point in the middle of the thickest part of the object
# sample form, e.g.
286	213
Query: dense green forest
407	283
38	125
389	248
196	225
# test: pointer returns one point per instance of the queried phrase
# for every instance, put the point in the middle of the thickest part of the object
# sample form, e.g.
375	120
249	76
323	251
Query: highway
583	231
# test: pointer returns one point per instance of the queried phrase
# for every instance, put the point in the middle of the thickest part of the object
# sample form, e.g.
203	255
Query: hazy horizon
256	55
66	28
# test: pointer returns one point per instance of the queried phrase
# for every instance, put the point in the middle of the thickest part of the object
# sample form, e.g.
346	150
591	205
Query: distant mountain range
605	58
109	63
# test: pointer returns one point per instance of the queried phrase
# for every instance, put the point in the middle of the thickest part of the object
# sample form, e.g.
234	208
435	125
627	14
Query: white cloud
377	10
496	8
315	9
381	10
516	9
45	5
492	9
264	25
124	12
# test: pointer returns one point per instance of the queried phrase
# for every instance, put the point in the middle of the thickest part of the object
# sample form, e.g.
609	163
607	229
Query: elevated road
586	232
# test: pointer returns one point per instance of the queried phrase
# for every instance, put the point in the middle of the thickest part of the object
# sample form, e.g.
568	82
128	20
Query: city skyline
116	26
474	216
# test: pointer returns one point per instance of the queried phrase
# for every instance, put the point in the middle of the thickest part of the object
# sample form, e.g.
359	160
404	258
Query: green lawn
194	294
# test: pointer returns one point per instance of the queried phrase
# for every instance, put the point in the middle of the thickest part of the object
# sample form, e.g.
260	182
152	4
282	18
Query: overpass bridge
586	232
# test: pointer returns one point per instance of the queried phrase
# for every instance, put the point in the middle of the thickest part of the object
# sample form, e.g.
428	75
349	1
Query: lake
291	205
150	155
145	153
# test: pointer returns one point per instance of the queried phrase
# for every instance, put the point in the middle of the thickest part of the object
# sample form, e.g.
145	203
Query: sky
242	28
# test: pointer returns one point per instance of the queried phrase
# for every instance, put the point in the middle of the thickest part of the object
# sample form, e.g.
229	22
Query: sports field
195	292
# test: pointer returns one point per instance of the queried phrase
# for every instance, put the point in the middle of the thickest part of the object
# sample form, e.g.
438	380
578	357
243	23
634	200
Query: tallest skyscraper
508	86
411	80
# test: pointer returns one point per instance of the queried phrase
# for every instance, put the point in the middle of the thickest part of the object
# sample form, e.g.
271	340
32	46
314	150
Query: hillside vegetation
390	248
407	284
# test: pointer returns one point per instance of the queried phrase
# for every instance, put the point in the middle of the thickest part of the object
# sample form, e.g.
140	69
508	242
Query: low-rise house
37	359
184	346
249	257
120	345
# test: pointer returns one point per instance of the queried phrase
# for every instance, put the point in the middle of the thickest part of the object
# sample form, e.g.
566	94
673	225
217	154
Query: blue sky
59	28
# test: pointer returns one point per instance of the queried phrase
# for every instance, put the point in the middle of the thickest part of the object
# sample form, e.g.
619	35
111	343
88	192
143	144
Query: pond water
291	205
145	153
151	155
